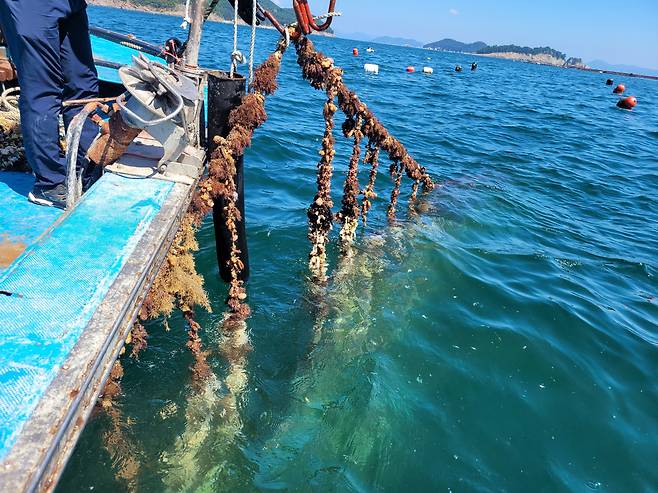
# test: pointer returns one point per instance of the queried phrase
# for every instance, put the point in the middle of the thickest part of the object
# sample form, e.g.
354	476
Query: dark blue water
505	340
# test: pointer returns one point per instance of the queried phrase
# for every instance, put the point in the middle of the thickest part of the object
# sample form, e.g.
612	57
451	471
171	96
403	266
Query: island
544	55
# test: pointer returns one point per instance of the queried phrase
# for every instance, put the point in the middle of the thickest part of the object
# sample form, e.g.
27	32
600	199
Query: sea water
504	340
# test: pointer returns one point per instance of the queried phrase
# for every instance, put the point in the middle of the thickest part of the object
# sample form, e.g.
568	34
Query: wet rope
320	217
321	73
349	215
220	182
371	159
178	283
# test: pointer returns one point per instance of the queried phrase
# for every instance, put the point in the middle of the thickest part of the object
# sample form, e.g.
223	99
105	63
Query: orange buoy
627	103
619	89
609	82
355	52
411	69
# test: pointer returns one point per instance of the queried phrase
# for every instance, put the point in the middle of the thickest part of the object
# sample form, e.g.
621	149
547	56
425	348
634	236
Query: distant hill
544	54
631	69
523	50
284	15
454	45
355	36
223	10
390	40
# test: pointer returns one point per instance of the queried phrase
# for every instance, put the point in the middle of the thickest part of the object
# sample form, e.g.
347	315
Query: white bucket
371	68
428	70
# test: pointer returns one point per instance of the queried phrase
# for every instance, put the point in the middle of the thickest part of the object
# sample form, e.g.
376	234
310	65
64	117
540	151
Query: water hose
73	179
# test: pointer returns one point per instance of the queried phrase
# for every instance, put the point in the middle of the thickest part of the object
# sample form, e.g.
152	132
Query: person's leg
32	32
80	76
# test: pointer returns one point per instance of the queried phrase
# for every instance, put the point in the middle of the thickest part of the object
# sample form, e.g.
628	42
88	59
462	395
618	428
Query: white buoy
371	68
428	70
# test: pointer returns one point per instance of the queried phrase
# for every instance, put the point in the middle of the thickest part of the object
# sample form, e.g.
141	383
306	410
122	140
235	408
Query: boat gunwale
58	419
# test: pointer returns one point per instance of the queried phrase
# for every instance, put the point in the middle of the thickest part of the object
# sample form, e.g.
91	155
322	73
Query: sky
619	32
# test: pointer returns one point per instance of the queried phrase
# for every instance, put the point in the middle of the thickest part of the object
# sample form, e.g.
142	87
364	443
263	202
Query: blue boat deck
21	222
71	285
68	302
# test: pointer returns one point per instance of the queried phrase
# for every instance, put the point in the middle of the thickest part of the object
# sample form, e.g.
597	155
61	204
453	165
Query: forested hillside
223	9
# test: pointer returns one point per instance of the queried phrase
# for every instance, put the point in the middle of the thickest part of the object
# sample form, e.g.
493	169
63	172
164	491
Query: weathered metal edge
47	440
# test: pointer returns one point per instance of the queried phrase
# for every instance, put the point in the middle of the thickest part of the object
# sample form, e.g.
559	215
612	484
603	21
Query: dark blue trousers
49	43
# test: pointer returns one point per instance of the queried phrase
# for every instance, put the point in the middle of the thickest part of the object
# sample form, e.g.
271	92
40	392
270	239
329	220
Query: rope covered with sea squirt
220	182
320	71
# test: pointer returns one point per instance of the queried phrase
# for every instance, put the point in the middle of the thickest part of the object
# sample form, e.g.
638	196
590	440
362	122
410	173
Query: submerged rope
320	217
372	159
349	215
178	283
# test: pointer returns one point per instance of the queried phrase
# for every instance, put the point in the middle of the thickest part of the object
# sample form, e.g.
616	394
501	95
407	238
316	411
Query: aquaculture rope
252	46
236	56
186	19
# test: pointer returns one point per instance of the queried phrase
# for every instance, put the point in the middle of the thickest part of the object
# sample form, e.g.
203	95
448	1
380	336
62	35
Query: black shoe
90	175
50	197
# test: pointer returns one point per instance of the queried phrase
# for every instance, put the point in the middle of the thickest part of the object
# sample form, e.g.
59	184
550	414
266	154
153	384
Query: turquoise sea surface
503	341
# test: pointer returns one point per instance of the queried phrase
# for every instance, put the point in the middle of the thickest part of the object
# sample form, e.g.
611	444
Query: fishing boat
72	281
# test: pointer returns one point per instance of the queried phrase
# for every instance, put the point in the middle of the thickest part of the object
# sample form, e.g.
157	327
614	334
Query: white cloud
453	12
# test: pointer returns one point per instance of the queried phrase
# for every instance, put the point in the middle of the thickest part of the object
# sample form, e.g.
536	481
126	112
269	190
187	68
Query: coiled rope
9	99
12	153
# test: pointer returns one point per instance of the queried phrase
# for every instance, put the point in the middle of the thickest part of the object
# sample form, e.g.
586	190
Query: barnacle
372	159
349	215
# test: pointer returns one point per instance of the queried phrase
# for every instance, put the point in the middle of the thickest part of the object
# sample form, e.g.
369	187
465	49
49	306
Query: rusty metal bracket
306	22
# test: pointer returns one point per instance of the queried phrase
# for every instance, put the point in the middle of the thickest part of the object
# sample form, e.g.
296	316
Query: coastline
555	62
537	59
176	12
172	12
521	57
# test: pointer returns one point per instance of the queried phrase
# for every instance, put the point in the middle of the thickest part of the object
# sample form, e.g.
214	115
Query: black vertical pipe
224	94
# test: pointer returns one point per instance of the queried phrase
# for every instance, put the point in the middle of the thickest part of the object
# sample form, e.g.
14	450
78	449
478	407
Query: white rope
186	20
327	15
287	36
235	55
8	101
252	47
